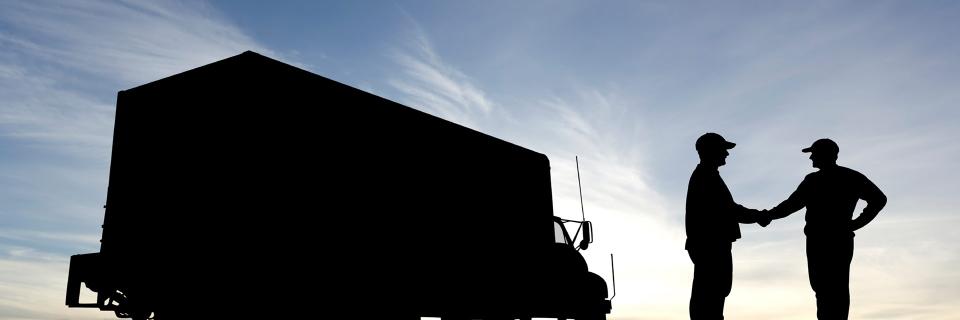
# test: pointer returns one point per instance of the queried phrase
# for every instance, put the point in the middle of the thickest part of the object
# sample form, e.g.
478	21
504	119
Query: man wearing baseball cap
712	224
830	196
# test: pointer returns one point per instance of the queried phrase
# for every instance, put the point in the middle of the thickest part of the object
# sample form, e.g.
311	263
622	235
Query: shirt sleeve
796	201
869	192
875	199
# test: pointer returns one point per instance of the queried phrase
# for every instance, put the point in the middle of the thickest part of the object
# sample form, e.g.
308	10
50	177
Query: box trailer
252	188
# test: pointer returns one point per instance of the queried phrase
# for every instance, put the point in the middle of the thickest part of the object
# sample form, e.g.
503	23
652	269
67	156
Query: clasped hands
764	218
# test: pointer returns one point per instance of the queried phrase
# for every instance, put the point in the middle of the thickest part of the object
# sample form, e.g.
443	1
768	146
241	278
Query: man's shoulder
850	173
836	176
838	171
848	170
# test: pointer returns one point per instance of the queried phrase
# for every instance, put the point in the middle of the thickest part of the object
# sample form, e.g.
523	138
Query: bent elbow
881	200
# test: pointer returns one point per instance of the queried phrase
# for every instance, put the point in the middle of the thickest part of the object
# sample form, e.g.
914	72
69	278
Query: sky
626	86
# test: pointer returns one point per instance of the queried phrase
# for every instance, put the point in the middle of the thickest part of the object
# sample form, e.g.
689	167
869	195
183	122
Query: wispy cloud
63	61
598	127
430	83
36	108
132	41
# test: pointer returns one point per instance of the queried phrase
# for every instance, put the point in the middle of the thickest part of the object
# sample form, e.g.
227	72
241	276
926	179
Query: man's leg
712	280
828	262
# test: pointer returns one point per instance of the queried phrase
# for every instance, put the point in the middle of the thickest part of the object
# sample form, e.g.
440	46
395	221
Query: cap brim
729	145
810	149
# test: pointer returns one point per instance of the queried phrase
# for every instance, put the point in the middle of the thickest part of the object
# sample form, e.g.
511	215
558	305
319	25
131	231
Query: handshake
764	218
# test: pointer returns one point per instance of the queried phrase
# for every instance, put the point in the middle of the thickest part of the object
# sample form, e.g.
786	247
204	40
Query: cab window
559	233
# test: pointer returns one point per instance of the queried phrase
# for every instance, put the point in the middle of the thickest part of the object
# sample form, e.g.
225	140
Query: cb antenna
583	216
613	274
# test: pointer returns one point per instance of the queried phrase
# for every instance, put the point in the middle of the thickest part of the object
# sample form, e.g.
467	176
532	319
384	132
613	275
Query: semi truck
252	188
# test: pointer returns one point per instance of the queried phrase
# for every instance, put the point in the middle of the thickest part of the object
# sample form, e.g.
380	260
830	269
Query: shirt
830	196
712	216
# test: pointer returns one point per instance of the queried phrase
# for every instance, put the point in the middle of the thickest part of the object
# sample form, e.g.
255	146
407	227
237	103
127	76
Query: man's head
823	153
712	149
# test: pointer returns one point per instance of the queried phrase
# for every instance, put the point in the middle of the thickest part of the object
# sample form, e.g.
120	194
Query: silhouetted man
830	196
712	227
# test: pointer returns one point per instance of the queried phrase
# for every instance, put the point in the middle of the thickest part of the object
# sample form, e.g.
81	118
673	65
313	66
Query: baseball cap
823	145
712	140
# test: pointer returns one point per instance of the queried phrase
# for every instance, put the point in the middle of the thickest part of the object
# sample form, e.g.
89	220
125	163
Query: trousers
712	280
828	264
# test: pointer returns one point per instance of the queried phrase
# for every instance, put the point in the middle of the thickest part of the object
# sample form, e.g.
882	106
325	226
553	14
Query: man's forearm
747	215
785	208
871	211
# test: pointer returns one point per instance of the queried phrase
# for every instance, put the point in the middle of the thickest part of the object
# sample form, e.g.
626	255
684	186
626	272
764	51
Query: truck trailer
252	188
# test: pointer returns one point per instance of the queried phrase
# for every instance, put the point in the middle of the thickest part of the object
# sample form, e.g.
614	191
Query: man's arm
794	203
747	215
875	199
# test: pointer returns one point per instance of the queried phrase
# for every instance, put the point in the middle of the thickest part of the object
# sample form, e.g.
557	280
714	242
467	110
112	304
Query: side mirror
587	235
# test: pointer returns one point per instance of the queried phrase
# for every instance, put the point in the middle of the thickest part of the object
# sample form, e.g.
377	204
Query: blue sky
626	85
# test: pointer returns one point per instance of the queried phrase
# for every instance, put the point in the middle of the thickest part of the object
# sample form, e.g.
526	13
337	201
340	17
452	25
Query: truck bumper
83	269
